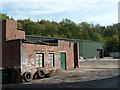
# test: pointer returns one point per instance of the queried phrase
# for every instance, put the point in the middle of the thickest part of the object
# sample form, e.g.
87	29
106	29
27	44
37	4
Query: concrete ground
89	70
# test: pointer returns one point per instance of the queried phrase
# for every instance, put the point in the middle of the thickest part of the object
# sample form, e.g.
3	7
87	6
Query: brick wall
28	56
68	47
11	49
20	34
11	54
12	32
23	55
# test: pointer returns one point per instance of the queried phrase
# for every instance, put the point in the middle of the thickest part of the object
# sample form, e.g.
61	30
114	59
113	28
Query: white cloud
104	18
73	9
86	1
41	8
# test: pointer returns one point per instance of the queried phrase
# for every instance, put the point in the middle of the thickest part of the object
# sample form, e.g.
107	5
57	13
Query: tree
68	28
5	16
109	35
85	25
97	37
19	25
25	21
33	28
112	44
51	28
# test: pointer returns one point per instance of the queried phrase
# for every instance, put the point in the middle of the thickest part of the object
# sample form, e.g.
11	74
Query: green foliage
97	37
112	44
69	29
33	28
4	16
19	25
51	28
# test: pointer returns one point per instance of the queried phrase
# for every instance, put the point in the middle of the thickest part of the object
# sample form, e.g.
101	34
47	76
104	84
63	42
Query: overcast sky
104	12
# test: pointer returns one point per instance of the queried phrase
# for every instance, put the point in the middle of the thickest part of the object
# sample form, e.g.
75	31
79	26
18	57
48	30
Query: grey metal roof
43	38
20	29
38	42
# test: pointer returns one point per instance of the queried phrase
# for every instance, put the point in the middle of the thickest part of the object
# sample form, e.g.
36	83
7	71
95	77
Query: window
39	59
51	59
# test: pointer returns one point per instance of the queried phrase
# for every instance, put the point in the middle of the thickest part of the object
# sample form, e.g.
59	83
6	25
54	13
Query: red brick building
31	56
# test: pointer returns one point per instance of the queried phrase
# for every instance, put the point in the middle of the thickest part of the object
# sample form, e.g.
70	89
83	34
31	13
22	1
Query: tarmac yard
94	73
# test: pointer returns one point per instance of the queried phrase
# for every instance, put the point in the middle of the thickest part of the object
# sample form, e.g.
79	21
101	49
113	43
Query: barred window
39	59
51	59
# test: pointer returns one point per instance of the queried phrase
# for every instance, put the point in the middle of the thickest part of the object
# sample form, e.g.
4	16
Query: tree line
67	28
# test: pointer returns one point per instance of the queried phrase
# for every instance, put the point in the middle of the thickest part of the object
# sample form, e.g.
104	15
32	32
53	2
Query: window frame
51	60
39	60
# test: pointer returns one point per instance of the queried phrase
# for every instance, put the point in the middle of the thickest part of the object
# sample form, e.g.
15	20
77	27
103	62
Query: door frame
65	60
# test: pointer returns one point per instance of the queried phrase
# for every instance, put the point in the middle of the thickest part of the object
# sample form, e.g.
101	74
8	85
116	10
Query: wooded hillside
67	28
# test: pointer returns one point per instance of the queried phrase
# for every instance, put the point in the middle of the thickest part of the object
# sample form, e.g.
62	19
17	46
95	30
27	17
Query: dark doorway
100	53
76	55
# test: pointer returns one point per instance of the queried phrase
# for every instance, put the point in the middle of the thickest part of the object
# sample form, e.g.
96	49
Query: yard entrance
63	60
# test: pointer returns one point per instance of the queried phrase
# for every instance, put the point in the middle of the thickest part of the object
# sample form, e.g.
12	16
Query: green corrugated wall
89	48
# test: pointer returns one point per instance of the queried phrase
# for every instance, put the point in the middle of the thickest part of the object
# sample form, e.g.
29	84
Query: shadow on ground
111	82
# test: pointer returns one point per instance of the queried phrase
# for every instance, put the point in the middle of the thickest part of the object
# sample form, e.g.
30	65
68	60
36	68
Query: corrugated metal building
91	49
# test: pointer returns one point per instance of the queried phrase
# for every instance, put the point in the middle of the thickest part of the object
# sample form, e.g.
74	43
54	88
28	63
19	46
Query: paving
89	70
